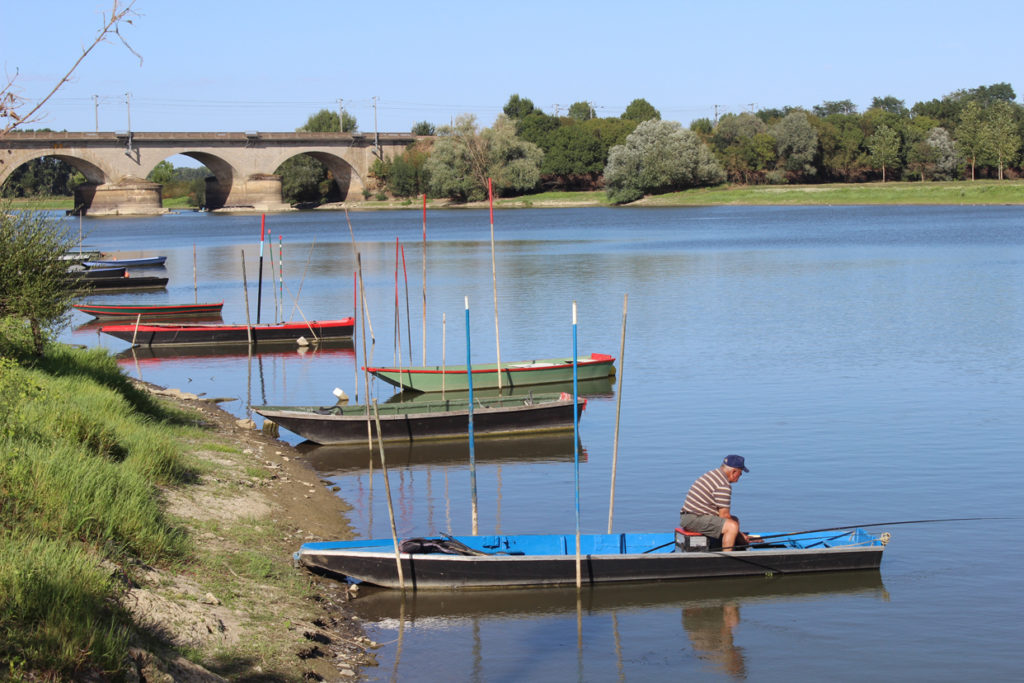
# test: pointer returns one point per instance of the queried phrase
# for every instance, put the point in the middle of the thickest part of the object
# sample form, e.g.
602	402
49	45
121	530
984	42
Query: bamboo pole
280	273
305	268
273	276
425	280
408	316
618	412
494	278
366	374
355	252
576	446
135	334
387	488
195	275
245	289
444	330
355	312
472	453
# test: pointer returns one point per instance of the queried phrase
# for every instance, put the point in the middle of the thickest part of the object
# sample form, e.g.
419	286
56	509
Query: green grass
893	193
81	455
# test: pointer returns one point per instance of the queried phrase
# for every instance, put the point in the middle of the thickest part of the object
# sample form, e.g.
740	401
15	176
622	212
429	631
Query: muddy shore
254	493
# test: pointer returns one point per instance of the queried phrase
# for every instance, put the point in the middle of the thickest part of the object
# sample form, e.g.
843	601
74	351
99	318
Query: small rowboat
421	420
485	376
126	262
153	334
153	311
507	561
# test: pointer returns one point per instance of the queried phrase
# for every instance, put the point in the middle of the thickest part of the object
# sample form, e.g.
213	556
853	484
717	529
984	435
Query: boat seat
690	541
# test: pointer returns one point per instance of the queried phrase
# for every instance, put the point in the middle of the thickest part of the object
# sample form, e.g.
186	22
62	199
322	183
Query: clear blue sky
222	65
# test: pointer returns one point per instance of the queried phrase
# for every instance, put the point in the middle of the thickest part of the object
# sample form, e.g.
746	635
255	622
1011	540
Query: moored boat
421	420
153	334
507	561
150	311
116	283
126	262
485	376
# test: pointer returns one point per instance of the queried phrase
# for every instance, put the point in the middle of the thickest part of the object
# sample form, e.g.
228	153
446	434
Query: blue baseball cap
736	461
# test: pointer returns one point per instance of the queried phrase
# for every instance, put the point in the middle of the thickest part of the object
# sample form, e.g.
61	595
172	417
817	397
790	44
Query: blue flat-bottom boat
507	561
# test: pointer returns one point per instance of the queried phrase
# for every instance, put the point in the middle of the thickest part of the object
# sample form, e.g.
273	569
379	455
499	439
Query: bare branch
10	102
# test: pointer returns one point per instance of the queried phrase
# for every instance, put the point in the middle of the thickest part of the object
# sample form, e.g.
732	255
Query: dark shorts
708	525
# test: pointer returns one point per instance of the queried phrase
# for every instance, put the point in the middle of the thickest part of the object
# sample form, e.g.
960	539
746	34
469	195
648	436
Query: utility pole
96	111
128	104
341	116
716	114
376	135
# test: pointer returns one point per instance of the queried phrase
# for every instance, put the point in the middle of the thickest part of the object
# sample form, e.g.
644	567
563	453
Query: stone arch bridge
115	165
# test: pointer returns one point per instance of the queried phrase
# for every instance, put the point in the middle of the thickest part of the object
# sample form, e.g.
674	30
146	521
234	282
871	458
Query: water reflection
710	628
346	459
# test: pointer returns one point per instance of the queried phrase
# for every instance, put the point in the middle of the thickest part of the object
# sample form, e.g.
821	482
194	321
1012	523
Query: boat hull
485	376
151	312
126	262
427	420
121	284
159	334
374	562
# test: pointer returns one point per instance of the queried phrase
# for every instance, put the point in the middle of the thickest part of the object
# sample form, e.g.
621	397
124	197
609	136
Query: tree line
967	134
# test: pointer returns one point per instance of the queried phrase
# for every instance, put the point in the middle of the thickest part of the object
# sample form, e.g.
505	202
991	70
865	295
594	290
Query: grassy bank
135	541
893	193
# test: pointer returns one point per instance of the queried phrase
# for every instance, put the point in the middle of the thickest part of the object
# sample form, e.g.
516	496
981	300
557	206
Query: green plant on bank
81	455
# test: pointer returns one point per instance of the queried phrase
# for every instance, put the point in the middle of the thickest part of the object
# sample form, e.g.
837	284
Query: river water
867	361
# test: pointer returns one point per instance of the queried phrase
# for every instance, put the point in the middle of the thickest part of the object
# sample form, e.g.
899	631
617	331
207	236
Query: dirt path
241	611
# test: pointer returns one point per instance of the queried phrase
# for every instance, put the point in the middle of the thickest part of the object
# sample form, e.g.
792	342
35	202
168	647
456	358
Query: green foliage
884	148
641	110
162	173
407	173
581	111
42	177
659	156
33	284
324	121
518	108
464	158
424	128
829	108
796	142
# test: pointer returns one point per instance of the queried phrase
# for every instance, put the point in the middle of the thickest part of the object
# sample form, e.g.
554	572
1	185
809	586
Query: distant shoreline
946	193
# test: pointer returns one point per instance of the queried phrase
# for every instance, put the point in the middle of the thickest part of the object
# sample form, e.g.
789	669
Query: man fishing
706	508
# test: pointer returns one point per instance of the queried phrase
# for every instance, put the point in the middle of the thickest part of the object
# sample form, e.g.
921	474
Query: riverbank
982	192
147	535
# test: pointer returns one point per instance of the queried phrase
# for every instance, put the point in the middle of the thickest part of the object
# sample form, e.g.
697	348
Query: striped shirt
711	492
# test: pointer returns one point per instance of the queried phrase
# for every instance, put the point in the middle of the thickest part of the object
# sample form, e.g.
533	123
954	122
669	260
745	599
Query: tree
11	104
518	108
162	173
641	110
463	160
581	111
33	279
828	108
1001	139
796	143
891	105
970	134
659	156
424	128
884	148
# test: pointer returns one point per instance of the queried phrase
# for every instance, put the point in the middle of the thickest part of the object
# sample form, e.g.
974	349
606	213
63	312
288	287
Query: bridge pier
129	197
258	192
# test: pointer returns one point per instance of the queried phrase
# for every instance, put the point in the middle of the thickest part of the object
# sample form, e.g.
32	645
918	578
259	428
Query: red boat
155	334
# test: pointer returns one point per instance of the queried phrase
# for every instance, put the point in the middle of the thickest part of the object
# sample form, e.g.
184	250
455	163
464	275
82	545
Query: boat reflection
154	354
94	324
601	387
534	448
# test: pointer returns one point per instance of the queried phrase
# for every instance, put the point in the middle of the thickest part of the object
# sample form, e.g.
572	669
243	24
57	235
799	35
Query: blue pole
576	441
472	451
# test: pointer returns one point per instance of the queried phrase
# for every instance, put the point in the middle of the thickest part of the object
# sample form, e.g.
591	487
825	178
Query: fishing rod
848	526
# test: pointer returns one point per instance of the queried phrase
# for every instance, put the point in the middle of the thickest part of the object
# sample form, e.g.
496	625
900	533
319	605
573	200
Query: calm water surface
866	361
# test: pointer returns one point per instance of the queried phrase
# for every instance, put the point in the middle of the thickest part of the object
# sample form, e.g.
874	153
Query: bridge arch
243	165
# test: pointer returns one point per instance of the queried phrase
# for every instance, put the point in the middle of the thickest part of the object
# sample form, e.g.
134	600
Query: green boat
434	378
